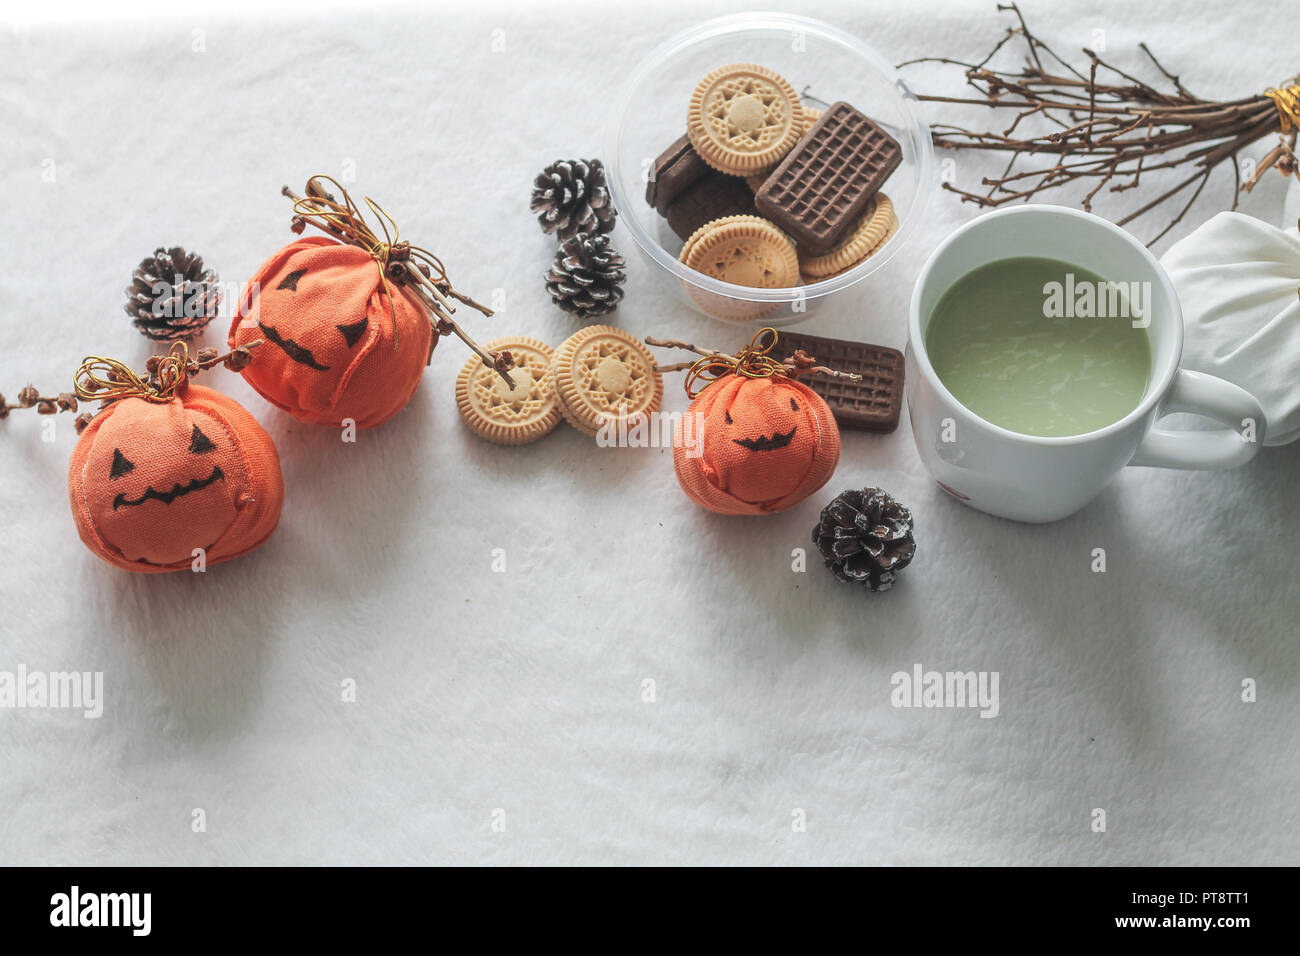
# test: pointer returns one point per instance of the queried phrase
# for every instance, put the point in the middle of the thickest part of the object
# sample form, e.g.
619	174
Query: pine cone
587	276
866	538
570	197
172	296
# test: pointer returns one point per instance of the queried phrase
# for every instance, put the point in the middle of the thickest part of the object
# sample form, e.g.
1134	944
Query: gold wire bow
1287	101
107	380
753	361
407	265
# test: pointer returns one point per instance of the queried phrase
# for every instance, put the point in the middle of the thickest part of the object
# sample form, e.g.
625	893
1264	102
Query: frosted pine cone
587	276
866	538
172	296
570	196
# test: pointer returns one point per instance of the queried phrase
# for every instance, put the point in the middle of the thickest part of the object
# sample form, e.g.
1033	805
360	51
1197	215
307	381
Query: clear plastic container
824	64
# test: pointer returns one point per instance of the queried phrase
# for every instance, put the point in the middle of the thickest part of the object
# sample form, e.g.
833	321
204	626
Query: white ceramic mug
1032	478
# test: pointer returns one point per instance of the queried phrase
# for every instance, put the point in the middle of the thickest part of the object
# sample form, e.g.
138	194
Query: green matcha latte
1041	347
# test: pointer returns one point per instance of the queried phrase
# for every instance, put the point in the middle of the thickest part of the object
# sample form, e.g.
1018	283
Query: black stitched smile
763	443
167	497
299	353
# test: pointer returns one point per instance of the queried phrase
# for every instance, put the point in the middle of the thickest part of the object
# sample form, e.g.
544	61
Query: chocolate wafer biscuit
677	169
860	243
755	180
822	187
714	196
872	404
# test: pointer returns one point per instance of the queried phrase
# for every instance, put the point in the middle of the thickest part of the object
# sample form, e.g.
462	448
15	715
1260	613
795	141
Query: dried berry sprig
30	397
236	359
107	380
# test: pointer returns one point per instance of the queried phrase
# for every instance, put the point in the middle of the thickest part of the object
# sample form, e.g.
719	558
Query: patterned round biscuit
743	118
513	416
811	279
604	374
877	224
694	237
743	250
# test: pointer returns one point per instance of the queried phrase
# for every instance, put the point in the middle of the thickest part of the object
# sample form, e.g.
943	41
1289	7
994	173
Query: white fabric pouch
1238	279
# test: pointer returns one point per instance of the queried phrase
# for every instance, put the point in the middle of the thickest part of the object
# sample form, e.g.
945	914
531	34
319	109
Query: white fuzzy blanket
503	717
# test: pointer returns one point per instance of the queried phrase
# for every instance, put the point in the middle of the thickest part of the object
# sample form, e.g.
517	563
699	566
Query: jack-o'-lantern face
764	444
332	349
152	481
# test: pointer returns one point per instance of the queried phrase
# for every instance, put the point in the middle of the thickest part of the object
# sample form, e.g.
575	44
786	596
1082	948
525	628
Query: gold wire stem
753	361
109	379
1287	101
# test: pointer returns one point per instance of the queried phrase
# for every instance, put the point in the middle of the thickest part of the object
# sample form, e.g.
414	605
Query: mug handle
1214	398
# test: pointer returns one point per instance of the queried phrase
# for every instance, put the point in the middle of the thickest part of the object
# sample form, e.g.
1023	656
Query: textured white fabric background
522	691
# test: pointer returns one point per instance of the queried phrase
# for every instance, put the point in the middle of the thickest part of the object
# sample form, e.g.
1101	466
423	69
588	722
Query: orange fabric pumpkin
332	350
151	481
765	444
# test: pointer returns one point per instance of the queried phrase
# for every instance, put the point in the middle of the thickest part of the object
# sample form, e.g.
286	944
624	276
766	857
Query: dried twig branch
1106	128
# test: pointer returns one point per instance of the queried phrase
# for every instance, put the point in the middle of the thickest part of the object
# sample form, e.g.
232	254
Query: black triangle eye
354	331
727	416
121	464
794	406
290	281
199	442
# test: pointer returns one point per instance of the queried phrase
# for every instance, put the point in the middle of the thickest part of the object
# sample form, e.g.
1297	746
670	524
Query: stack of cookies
766	192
